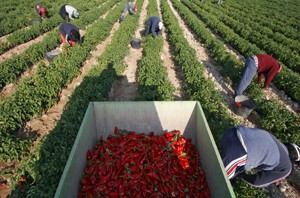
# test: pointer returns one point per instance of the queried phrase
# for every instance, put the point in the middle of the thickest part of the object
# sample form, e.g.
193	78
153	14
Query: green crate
187	116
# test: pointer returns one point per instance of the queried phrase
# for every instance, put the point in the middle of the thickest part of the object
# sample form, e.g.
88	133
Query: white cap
160	25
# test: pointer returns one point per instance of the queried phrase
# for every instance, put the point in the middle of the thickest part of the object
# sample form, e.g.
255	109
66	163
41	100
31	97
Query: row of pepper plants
16	14
12	68
284	13
259	22
286	80
201	89
26	34
259	36
273	117
38	93
42	176
265	21
153	83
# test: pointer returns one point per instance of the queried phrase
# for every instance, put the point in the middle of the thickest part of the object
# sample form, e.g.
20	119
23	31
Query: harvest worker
128	7
69	34
263	64
41	11
244	149
154	25
67	12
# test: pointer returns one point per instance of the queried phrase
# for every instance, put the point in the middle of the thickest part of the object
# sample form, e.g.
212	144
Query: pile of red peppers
128	164
178	143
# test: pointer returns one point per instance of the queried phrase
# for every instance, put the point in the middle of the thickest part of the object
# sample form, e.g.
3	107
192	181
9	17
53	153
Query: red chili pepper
121	190
153	175
104	179
239	104
142	165
114	183
116	130
113	194
145	189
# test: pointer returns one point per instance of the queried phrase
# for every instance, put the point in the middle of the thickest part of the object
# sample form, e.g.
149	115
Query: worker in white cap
68	12
153	26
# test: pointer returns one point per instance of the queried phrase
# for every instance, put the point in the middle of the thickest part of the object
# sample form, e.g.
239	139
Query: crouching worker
262	64
128	7
68	12
69	34
154	26
41	11
244	149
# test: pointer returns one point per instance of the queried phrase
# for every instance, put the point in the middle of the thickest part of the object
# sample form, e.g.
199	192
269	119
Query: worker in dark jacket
244	149
263	64
128	7
154	26
68	12
69	34
41	11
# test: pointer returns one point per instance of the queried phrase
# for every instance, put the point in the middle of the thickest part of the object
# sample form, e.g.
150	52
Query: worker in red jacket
262	64
69	34
41	11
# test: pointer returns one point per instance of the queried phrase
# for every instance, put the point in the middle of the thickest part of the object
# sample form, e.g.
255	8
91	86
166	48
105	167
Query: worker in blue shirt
69	34
154	26
244	149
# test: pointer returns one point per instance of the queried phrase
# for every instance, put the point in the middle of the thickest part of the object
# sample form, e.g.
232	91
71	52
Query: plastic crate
187	116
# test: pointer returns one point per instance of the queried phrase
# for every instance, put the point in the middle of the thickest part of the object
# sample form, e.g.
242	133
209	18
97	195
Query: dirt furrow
125	88
174	72
20	48
48	120
210	70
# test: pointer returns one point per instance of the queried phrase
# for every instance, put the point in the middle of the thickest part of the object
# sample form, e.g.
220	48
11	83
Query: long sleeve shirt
265	153
153	24
70	10
268	67
129	6
65	29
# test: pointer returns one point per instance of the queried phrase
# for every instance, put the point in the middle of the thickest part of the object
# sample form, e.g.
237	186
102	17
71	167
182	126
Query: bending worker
69	34
263	64
67	12
154	26
245	149
129	7
41	11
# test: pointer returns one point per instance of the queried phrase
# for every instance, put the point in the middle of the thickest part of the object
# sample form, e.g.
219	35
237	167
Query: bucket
243	105
52	54
121	19
33	22
136	43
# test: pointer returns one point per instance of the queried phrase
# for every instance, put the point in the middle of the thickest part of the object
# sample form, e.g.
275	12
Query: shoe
294	151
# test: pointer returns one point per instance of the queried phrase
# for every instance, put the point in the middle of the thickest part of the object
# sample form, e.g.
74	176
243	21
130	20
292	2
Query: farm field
199	56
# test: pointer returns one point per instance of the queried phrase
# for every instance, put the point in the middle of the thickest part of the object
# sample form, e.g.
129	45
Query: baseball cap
75	14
